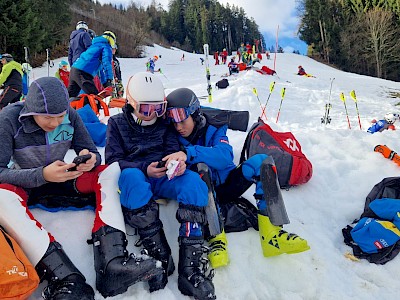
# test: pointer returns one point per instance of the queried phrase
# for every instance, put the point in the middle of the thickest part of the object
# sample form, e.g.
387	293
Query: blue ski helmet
62	64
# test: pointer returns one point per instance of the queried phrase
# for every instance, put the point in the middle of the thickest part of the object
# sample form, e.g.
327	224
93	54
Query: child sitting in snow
386	123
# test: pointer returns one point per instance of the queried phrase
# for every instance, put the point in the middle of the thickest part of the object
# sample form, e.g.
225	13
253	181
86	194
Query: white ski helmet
82	25
145	87
390	118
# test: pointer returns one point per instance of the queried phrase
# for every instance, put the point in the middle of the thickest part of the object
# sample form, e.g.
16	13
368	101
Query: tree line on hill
359	36
188	24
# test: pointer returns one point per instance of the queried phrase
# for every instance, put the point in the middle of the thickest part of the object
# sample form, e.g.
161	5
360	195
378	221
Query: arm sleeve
218	154
25	178
87	41
6	71
106	64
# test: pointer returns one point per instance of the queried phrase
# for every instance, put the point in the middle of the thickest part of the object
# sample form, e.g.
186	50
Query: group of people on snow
156	148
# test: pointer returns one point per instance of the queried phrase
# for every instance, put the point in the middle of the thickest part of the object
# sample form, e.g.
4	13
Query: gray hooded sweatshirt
27	145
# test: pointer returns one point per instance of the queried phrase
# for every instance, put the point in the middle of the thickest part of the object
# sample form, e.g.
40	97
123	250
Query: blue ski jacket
79	41
380	126
215	151
98	57
374	234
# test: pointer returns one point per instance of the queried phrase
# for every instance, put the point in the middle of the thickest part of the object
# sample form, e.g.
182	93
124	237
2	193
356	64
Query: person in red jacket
216	57
63	72
224	56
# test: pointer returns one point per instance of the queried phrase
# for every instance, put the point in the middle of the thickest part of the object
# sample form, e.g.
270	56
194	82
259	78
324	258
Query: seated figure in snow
205	143
385	124
36	135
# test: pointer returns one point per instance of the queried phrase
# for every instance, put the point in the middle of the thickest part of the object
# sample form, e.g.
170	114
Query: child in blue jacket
205	143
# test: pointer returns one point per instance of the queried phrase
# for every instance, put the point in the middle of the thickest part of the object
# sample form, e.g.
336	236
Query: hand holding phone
161	164
79	160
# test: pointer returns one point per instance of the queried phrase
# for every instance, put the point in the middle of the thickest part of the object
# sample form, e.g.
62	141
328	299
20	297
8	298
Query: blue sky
268	14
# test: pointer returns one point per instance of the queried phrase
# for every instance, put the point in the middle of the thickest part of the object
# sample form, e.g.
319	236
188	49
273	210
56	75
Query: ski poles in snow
280	105
255	93
50	64
345	107
354	97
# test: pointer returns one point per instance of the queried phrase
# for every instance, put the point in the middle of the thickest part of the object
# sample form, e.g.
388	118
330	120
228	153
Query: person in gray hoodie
35	137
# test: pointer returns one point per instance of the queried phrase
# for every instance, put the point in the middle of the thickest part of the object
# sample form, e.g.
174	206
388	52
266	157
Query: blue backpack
375	236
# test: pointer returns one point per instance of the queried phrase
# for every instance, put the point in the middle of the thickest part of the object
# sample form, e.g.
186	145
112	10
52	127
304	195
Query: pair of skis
208	75
326	119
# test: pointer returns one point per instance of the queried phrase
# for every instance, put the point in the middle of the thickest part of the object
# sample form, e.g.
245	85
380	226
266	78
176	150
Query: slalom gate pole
280	105
271	88
345	107
354	97
256	93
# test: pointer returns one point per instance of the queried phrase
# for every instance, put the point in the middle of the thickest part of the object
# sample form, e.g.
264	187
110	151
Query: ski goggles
180	114
146	109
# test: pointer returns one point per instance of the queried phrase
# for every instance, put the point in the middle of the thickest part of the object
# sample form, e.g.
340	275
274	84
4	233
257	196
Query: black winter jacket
135	146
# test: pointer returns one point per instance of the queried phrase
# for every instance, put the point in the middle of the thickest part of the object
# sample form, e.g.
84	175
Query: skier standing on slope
97	58
79	41
10	80
204	143
138	138
36	135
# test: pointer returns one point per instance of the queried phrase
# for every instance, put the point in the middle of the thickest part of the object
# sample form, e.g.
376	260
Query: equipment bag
95	102
222	84
292	165
376	235
18	278
236	120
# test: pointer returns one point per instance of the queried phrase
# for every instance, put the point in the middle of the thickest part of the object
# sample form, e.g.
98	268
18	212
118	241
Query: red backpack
292	165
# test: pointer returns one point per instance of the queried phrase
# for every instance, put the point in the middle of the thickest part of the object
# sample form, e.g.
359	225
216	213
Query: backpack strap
245	150
7	239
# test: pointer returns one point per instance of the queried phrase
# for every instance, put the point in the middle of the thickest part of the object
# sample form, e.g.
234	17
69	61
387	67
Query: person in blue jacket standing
98	57
205	143
79	41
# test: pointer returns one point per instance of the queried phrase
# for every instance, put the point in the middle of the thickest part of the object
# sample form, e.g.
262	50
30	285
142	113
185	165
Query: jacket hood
46	96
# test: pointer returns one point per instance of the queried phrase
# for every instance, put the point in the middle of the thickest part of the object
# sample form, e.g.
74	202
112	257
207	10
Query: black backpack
387	188
222	84
236	120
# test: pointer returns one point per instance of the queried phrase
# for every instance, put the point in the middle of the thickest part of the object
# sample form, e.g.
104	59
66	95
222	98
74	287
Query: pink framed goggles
147	109
180	114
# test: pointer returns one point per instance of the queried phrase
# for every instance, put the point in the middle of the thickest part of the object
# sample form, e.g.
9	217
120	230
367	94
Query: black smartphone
80	160
161	164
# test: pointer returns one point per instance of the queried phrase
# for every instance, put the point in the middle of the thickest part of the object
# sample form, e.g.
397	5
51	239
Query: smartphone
161	164
80	160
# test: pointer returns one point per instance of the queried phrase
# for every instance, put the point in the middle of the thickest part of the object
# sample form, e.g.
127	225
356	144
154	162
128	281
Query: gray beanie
46	96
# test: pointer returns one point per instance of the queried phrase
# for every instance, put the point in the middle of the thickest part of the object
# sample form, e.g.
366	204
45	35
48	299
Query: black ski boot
155	243
65	282
192	280
116	269
152	237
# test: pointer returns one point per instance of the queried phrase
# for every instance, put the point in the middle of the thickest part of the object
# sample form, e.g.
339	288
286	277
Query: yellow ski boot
275	240
218	255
